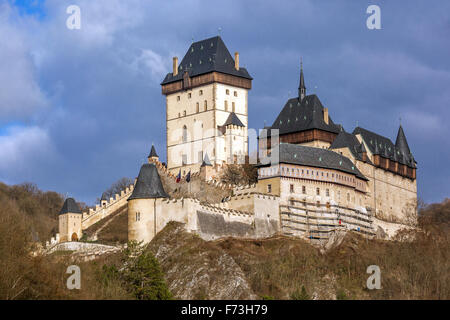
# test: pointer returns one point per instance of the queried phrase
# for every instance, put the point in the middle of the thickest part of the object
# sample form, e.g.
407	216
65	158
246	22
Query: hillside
274	268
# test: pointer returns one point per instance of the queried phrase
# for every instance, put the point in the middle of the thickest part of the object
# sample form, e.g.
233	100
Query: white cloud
22	147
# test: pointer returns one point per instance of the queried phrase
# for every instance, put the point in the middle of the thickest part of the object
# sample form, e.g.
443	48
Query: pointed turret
153	156
401	143
148	184
70	206
301	88
69	221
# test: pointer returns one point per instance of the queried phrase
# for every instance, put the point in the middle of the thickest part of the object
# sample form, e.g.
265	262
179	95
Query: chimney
325	115
236	60
175	66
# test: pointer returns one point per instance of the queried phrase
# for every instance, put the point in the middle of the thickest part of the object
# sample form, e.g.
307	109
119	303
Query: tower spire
301	88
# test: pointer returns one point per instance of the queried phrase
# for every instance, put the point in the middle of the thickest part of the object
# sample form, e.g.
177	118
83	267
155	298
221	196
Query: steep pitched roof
153	152
317	157
345	139
104	197
383	146
303	115
207	56
70	206
233	119
401	143
148	184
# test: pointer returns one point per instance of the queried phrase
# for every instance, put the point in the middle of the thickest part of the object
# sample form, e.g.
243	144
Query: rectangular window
291	188
269	188
233	106
235	93
226	105
318	191
178	98
200	93
304	189
327	192
189	95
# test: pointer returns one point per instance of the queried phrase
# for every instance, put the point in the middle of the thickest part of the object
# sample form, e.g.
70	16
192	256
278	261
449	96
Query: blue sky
80	109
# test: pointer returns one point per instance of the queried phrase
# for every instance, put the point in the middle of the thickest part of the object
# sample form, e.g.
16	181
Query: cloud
20	95
22	149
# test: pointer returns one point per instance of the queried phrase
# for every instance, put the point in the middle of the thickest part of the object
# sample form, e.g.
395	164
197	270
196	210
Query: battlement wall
102	211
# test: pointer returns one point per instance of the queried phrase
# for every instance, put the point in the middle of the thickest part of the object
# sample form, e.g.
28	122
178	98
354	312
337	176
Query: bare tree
118	186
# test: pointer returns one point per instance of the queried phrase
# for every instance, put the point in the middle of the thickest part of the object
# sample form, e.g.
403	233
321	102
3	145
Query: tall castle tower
206	107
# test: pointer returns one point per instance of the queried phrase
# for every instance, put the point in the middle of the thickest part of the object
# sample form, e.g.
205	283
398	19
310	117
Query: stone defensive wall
212	221
102	211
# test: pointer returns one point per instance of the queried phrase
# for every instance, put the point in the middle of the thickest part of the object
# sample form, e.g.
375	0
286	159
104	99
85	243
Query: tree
118	186
145	277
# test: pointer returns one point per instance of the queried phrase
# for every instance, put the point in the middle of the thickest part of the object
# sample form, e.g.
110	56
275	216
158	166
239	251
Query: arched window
206	105
185	133
197	107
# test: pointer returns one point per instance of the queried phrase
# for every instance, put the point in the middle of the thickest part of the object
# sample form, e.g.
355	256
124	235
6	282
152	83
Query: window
235	93
184	113
184	159
206	105
327	192
138	216
200	93
185	133
227	91
291	188
269	188
178	98
318	191
197	107
304	189
189	95
233	107
226	105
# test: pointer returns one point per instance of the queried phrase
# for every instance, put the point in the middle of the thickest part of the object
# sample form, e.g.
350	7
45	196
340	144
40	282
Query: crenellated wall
102	211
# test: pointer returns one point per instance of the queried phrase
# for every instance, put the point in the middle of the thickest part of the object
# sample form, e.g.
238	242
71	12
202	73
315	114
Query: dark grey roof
345	139
401	143
104	197
317	157
303	115
233	119
153	152
70	206
383	146
207	56
148	184
206	161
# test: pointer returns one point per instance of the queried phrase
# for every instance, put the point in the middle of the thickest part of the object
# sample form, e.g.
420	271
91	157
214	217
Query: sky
80	108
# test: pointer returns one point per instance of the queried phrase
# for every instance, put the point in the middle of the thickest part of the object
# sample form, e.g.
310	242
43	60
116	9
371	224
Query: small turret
70	218
301	88
142	208
153	156
104	199
206	169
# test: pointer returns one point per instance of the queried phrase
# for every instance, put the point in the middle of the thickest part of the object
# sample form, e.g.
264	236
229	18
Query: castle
314	178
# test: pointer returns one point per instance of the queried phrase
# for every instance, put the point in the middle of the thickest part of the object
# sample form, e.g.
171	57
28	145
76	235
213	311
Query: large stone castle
314	178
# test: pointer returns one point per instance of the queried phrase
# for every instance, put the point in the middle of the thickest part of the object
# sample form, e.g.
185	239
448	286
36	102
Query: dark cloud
92	106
